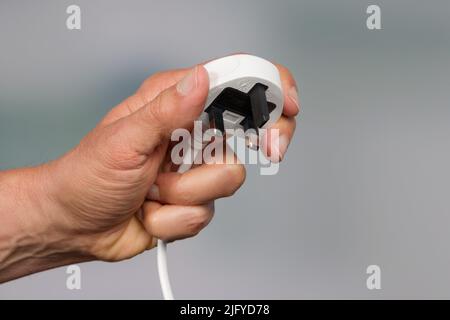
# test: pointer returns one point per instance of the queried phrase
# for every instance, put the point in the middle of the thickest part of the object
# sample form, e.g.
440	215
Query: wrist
33	237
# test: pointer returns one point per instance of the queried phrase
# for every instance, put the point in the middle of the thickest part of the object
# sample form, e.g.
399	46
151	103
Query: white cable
163	271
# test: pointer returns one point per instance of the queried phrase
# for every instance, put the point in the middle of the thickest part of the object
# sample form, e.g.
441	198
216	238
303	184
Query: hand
109	198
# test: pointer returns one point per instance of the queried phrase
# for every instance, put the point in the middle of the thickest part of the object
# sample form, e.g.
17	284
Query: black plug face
251	110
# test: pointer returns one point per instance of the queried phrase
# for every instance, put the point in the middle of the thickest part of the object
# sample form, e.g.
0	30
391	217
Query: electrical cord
163	271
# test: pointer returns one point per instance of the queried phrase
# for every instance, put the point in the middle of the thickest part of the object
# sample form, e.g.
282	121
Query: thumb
176	107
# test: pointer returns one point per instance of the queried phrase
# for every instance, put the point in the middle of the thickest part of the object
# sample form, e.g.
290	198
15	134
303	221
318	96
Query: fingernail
282	146
188	83
293	94
154	192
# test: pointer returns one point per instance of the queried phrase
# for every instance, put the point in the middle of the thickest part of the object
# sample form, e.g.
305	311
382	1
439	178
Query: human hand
109	199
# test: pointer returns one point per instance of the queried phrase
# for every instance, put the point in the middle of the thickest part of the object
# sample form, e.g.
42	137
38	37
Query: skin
96	202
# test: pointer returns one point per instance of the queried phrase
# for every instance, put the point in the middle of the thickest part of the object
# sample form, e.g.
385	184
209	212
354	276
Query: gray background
366	180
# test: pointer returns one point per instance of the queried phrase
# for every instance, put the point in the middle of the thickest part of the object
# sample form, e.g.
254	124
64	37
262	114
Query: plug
245	93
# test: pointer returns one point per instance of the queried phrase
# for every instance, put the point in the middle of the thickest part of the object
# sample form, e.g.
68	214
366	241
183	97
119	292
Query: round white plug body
235	101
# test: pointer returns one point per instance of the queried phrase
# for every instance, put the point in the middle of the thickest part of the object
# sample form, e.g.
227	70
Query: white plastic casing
242	72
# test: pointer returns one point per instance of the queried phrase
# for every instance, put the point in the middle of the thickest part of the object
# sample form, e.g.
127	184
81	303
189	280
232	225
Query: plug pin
216	120
259	106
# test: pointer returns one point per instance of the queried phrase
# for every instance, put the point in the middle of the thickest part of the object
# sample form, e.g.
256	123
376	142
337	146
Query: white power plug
245	93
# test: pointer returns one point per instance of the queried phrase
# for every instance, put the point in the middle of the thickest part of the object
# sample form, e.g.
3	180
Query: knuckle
154	109
157	112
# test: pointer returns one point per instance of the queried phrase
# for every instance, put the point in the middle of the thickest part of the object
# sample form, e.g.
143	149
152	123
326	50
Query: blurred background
366	180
